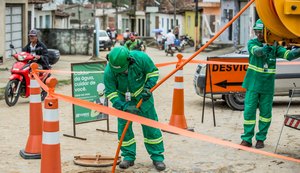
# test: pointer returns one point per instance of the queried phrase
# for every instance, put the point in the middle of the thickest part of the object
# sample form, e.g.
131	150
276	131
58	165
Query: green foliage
115	3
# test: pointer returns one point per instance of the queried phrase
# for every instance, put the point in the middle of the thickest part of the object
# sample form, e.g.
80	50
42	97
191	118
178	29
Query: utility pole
196	24
79	16
116	19
174	23
96	36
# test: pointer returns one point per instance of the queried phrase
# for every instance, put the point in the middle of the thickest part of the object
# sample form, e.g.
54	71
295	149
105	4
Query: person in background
170	39
176	32
40	52
108	31
38	49
128	78
159	40
133	43
259	85
114	35
126	35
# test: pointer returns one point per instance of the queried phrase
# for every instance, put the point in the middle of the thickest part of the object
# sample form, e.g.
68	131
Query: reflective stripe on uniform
249	122
50	138
112	95
35	98
286	53
153	141
149	75
138	91
261	70
265	120
127	143
254	47
152	74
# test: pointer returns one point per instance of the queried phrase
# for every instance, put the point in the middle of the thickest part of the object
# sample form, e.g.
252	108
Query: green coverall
142	73
259	84
133	45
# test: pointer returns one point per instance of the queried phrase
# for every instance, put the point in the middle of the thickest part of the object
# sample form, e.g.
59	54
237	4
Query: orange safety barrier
177	117
51	161
34	142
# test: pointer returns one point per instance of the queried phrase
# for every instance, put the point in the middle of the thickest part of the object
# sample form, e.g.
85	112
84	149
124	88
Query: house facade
190	27
13	21
211	15
241	30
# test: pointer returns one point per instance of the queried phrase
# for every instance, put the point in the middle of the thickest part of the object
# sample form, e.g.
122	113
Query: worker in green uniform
128	77
259	84
133	43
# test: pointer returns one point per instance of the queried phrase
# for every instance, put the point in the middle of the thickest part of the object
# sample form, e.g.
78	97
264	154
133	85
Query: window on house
172	23
125	24
156	21
162	22
35	24
41	21
47	21
189	22
168	26
29	21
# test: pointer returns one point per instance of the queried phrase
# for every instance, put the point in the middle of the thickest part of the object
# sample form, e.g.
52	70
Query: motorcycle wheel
182	47
11	94
191	43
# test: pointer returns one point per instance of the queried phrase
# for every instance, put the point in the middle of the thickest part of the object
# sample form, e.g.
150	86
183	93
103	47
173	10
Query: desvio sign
225	78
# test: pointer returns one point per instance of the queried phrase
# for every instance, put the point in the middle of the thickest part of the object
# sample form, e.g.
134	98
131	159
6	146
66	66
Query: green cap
118	59
258	25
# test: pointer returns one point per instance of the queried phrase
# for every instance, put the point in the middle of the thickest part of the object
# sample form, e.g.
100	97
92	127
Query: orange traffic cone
51	161
34	142
177	116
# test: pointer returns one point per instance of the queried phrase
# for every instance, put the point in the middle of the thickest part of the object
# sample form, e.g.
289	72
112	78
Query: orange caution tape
69	72
171	63
44	86
155	124
166	127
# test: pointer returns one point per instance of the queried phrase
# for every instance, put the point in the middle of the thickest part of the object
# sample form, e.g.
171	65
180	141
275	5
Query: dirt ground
182	154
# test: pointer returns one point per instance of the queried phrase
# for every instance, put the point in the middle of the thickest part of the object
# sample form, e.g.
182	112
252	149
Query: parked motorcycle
186	40
19	81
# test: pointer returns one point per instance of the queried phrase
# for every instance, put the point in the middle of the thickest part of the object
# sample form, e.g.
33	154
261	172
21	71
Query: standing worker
259	84
128	77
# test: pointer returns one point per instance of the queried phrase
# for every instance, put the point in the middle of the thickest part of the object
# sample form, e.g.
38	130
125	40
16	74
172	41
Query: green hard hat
259	25
118	59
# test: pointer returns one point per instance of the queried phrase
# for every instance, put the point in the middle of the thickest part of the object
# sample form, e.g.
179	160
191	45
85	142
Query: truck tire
235	101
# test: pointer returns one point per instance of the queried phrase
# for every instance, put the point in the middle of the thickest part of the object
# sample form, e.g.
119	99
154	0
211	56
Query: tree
115	3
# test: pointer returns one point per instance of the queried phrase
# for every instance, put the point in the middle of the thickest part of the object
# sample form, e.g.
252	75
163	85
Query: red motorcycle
19	81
